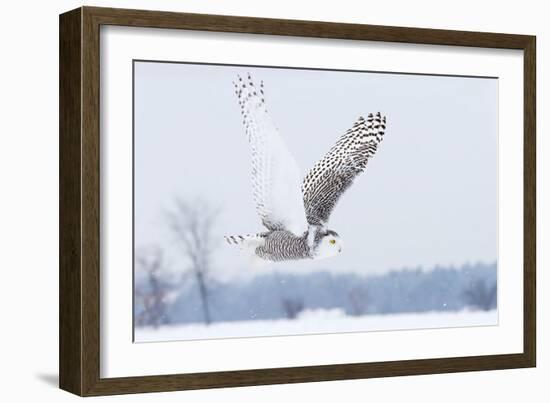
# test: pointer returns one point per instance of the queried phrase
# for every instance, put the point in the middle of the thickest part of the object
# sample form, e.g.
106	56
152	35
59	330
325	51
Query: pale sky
429	196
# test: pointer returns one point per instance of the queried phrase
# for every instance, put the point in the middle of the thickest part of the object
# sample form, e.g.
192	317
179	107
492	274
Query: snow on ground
316	322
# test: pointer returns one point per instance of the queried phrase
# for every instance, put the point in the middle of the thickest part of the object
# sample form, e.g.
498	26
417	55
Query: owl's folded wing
332	175
275	173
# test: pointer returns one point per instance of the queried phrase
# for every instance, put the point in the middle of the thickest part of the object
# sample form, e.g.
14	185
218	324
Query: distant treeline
284	295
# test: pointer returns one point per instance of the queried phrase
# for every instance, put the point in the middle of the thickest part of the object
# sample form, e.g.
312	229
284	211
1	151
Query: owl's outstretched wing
332	175
275	173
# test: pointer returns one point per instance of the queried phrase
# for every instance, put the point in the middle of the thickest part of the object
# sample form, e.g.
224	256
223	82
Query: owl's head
329	245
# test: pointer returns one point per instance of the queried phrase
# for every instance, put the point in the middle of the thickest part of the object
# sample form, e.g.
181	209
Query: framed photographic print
249	201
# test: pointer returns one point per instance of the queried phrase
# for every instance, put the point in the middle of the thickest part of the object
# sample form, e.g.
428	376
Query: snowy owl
296	221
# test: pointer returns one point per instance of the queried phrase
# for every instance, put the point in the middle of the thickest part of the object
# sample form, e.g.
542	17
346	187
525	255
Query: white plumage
296	219
275	174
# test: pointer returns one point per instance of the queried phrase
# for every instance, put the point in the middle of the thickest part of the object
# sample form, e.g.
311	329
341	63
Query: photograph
276	201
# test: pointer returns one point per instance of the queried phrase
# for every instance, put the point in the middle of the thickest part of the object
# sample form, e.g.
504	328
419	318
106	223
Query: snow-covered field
316	322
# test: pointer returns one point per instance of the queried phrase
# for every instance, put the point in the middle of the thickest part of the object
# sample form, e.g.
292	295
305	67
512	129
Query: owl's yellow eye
332	241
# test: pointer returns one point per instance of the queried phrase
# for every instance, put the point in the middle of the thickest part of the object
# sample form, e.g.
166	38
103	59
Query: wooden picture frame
79	279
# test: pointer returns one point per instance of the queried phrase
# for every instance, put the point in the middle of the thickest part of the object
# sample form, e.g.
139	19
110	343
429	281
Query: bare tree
151	294
292	307
192	224
478	294
359	299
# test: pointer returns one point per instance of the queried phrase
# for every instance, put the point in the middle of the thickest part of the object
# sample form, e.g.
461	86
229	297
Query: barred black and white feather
334	173
246	241
283	245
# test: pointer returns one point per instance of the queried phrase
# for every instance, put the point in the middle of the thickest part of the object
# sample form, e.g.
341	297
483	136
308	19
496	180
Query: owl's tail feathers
246	241
248	245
